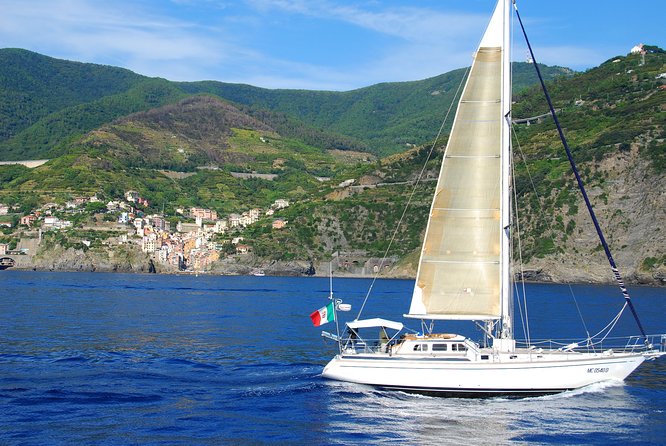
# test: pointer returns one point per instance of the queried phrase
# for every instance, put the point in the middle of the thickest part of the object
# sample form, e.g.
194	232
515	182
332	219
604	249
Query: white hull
551	373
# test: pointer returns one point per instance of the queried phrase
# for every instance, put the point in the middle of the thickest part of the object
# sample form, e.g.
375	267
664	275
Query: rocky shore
130	259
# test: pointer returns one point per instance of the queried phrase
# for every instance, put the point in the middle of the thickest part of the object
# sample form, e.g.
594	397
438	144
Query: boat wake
599	387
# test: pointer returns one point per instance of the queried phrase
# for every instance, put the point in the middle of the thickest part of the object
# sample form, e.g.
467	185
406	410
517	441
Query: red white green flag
323	315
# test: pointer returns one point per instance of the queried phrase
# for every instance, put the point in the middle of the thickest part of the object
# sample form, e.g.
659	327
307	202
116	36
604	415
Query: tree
95	207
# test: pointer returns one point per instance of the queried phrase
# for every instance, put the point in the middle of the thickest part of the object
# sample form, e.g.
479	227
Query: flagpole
335	304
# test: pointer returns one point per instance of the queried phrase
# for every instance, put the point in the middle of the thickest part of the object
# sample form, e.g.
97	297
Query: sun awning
375	322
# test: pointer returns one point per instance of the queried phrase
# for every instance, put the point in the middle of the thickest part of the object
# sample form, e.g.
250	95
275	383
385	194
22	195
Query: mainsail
464	252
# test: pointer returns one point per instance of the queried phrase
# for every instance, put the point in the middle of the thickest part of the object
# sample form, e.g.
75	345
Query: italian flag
323	315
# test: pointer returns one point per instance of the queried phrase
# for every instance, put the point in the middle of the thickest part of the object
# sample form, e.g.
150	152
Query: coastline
297	268
129	258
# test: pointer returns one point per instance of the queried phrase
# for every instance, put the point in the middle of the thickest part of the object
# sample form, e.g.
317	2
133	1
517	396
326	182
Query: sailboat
464	272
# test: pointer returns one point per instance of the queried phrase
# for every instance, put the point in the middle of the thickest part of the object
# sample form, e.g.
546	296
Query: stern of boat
333	370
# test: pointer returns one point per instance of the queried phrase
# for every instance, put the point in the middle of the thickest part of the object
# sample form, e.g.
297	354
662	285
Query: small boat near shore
6	263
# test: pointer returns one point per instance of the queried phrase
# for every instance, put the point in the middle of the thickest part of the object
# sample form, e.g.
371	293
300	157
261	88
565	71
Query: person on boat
352	334
383	339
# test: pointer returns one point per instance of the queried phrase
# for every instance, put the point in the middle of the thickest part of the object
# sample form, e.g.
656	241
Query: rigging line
612	322
526	322
520	310
522	277
527	167
529	175
587	332
602	239
549	222
612	326
411	195
536	194
538	197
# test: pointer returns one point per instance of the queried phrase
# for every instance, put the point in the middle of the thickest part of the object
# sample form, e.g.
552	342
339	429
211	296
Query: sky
317	44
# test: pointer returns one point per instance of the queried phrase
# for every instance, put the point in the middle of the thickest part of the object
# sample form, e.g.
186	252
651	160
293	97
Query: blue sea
116	359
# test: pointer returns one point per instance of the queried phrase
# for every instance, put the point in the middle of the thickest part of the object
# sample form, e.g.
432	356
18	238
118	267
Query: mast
505	206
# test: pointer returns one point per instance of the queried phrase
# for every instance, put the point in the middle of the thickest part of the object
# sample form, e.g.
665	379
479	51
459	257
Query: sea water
117	359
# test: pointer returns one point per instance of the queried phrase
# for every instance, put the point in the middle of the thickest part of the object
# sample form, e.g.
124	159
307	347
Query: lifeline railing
655	342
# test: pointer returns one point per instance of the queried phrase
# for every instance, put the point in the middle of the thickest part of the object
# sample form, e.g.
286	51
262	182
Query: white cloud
416	42
409	23
112	33
423	42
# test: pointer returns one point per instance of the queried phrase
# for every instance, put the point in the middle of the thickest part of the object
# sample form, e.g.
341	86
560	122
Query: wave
599	387
84	398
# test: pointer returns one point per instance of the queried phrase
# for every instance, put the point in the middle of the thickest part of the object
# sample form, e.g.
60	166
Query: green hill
47	102
33	86
388	117
614	117
183	155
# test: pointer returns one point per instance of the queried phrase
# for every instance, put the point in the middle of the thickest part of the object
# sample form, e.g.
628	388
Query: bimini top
375	322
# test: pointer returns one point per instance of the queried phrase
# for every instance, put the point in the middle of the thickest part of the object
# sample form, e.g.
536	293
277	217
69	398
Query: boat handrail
635	343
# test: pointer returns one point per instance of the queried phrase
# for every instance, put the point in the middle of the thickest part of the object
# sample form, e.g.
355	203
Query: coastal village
199	238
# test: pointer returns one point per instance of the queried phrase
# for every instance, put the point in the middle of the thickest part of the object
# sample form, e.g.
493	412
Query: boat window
421	348
458	347
439	347
484	356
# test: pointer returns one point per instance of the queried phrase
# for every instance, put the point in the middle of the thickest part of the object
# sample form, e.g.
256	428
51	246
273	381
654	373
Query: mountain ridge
614	116
391	113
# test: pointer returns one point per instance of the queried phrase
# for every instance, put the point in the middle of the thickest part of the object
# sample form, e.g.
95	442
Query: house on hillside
160	223
48	208
132	196
76	202
280	203
187	227
51	222
245	219
279	223
638	49
28	220
204	214
139	224
234	220
150	243
220	226
112	206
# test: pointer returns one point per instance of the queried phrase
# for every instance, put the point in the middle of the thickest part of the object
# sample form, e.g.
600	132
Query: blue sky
316	44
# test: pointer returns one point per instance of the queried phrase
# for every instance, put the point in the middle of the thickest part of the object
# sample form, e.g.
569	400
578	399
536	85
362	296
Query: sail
461	260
